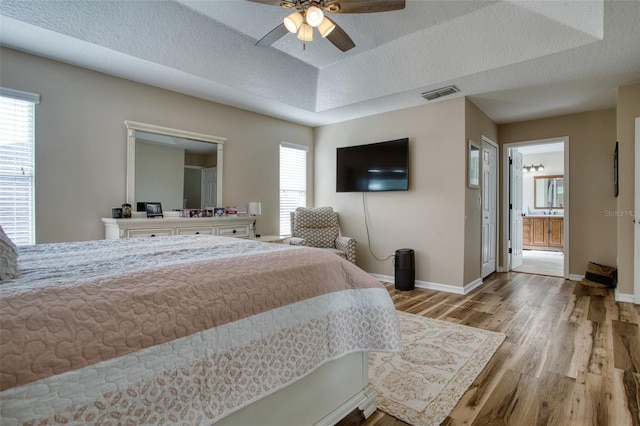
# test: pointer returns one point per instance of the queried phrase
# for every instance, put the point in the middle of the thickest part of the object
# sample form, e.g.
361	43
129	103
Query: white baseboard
624	297
619	297
436	286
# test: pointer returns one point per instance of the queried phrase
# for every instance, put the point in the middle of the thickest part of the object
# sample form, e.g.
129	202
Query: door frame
497	206
636	279
506	258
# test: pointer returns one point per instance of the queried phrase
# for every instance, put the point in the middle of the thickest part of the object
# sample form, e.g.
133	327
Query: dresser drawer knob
198	233
234	231
153	235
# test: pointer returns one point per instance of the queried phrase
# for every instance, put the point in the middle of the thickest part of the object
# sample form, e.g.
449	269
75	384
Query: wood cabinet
556	232
238	227
543	233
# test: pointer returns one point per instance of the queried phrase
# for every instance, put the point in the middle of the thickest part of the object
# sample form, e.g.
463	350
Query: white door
515	208
209	187
489	207
637	219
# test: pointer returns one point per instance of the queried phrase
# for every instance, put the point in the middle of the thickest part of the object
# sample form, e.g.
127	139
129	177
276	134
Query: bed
188	330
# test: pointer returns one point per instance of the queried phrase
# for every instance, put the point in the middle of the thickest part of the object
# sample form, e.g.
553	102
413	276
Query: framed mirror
548	192
177	168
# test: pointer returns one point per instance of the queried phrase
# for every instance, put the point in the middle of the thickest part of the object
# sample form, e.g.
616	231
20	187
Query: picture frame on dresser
153	209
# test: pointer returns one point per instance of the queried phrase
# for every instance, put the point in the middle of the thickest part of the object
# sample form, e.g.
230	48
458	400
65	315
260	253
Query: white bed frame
322	398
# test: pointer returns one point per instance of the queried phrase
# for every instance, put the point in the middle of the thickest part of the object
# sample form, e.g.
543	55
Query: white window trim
29	218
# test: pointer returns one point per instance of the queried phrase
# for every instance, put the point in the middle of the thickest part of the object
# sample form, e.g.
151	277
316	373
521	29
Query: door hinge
510	250
510	161
510	206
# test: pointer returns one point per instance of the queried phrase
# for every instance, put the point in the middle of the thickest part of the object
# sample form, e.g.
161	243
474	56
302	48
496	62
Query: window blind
17	138
293	182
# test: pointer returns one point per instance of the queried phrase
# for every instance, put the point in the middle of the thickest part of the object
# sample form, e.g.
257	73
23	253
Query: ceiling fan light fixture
293	22
305	33
325	27
314	16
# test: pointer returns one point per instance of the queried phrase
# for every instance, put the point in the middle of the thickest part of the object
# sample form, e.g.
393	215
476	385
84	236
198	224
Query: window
293	182
17	140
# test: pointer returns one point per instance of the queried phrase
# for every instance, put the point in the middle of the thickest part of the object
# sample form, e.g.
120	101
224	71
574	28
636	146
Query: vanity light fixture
533	168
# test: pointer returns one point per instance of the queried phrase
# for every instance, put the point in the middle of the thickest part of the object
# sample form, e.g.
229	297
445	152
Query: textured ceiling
516	60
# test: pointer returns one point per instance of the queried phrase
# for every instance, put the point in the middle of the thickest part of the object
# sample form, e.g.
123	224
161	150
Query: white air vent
438	93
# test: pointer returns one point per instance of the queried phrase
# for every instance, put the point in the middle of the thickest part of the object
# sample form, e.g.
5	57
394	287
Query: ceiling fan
309	14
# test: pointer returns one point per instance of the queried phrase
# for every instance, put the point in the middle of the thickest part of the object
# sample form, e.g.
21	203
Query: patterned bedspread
175	330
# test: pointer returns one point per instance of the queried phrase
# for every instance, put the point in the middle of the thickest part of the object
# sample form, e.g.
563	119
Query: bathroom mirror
177	168
548	192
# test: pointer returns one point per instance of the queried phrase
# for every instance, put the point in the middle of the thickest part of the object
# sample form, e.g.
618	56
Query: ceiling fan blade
363	6
270	2
274	35
340	39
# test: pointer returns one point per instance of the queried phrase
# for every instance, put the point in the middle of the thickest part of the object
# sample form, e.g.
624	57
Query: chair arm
295	241
347	245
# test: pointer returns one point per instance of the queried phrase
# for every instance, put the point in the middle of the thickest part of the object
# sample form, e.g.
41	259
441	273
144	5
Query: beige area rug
438	363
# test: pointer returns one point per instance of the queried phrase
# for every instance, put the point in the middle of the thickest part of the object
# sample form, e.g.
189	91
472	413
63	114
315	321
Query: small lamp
255	209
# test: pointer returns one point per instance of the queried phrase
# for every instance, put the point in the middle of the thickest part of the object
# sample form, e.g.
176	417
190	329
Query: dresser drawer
238	231
138	233
196	230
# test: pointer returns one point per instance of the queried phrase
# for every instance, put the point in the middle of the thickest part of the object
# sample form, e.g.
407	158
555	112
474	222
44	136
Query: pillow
8	257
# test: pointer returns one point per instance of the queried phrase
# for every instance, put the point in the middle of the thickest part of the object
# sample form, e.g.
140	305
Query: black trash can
405	275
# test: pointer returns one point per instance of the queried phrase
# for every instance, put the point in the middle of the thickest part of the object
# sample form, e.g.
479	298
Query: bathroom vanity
543	232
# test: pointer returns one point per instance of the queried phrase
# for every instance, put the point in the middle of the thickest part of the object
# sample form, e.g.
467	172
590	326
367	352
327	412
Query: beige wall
592	137
428	218
81	143
477	125
628	110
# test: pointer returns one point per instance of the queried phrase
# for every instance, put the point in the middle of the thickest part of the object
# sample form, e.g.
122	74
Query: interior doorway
536	207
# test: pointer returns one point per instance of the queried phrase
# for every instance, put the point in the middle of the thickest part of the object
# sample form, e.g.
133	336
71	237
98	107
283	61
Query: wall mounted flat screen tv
382	166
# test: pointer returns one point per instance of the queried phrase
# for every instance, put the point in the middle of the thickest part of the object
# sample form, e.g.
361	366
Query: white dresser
142	227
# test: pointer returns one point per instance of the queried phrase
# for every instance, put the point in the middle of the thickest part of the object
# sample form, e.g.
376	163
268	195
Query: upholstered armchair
318	227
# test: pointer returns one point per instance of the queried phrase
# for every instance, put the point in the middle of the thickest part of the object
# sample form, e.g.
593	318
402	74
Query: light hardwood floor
571	356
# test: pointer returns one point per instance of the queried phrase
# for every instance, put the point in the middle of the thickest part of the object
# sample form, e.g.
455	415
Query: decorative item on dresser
126	211
239	227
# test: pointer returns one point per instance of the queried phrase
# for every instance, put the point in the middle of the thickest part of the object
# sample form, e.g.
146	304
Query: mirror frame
133	127
535	191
